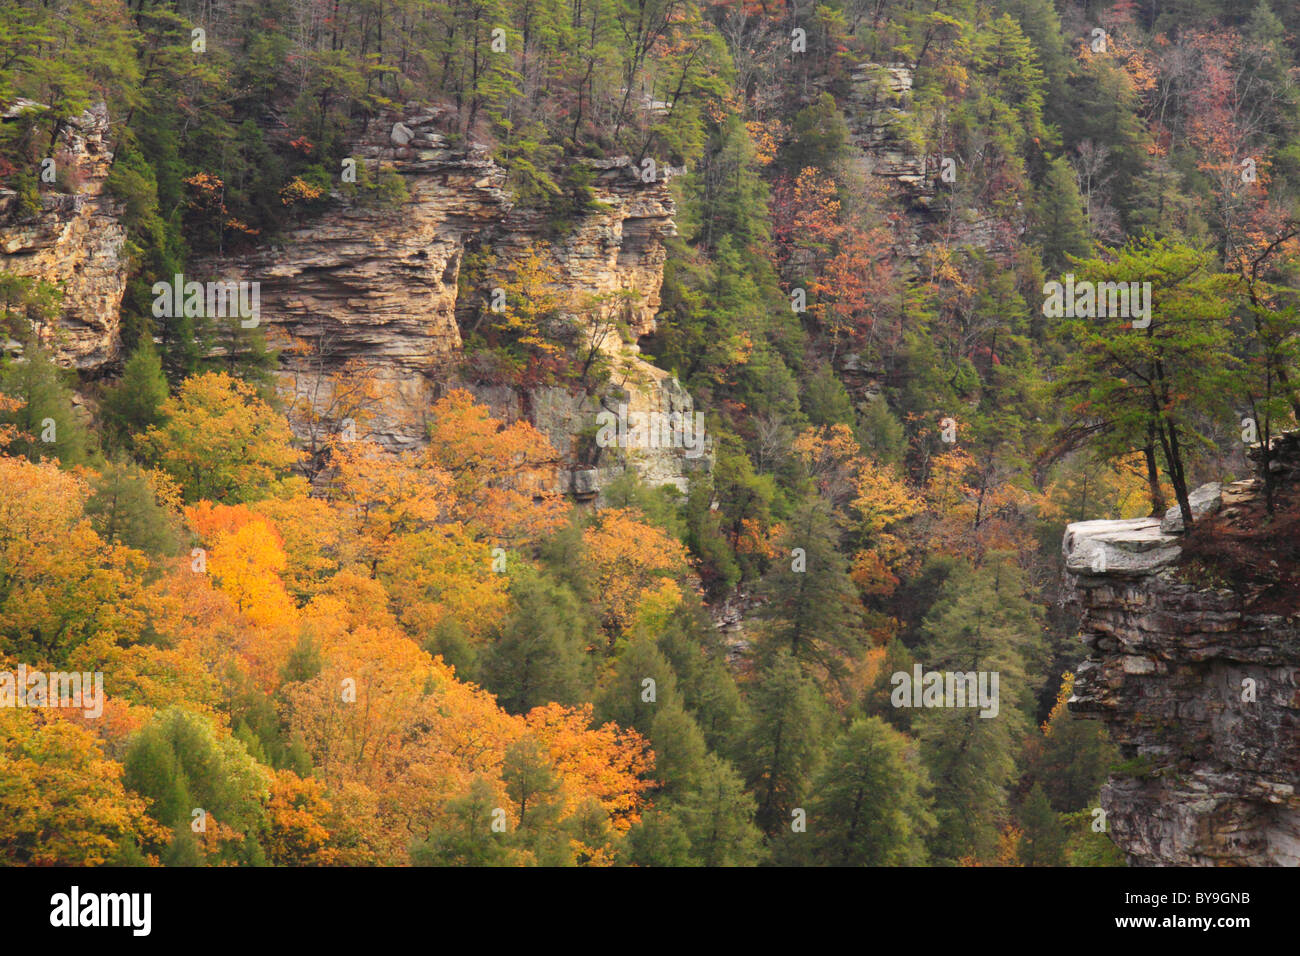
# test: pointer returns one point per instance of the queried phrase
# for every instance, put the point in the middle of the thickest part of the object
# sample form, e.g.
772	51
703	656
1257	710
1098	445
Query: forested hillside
369	575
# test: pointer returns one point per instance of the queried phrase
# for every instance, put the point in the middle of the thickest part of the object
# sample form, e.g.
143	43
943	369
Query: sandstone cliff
380	290
376	290
74	241
1194	665
879	111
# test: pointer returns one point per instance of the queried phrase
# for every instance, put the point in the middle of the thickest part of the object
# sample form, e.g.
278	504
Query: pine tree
466	838
719	818
981	623
658	839
1044	836
868	803
812	604
1060	226
1155	386
47	422
679	750
123	508
783	745
134	404
540	655
642	682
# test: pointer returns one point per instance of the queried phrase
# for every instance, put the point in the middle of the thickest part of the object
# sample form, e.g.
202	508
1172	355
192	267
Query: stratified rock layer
878	109
1198	687
75	241
380	289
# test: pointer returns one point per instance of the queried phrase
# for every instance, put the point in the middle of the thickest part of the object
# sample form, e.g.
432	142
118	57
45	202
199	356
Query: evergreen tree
657	839
1061	229
784	742
540	655
123	508
1154	380
719	818
183	764
869	804
812	604
642	682
467	837
1044	836
679	750
981	624
47	423
133	405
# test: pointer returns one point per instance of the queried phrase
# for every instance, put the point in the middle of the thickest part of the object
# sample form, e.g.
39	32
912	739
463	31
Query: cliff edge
1194	666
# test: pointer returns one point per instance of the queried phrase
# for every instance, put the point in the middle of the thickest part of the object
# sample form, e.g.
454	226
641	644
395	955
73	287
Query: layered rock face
74	241
379	289
878	109
1197	679
566	418
374	291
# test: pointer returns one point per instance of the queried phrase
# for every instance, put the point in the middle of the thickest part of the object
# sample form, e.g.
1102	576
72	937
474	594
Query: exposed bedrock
1195	671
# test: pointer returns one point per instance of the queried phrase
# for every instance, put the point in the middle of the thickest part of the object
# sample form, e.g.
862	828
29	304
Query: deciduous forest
321	321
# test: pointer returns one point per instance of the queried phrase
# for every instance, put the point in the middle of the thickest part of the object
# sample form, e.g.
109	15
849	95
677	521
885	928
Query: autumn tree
60	582
222	442
63	799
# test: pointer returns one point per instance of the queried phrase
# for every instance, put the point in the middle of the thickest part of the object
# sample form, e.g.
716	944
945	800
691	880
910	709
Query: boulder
1205	500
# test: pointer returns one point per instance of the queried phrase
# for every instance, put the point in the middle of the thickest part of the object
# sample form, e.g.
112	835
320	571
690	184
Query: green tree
783	744
47	422
679	750
540	655
869	805
133	405
1152	388
466	838
657	839
981	624
819	138
123	508
812	605
1044	836
626	697
182	763
1060	228
719	818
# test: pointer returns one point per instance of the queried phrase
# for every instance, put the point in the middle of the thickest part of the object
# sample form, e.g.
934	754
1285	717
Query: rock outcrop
73	240
1194	666
567	418
878	113
382	291
377	291
878	109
